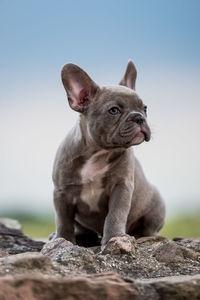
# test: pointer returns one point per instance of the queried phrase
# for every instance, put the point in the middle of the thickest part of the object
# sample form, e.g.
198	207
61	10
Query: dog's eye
114	110
145	109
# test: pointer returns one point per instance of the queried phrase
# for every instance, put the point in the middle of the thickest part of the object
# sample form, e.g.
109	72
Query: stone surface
11	223
154	257
169	288
193	244
13	241
148	268
169	252
3	254
101	286
104	286
76	259
25	263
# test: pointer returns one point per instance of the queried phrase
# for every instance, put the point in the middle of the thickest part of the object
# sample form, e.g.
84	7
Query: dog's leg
154	220
151	223
119	206
65	211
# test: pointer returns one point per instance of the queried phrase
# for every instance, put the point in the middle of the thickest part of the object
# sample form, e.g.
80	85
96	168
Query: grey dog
100	187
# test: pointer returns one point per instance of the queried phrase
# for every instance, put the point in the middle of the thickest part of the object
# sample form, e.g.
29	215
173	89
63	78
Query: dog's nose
137	118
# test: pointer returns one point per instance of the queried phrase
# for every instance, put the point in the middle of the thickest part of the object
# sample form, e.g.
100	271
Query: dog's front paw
123	244
107	239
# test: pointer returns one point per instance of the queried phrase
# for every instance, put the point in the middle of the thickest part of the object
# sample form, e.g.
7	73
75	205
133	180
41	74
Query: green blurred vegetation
182	226
41	226
37	227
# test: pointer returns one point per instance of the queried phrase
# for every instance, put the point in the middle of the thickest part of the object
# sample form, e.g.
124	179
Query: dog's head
113	116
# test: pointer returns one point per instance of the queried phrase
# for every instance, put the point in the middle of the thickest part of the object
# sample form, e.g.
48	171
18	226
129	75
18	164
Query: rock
153	257
190	253
75	257
55	247
169	252
103	286
30	262
173	288
11	223
13	241
193	244
66	271
3	254
120	245
150	239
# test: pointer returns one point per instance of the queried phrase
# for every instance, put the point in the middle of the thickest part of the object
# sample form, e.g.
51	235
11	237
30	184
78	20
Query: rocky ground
147	268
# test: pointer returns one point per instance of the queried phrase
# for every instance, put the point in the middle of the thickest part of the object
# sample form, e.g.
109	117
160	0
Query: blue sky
38	37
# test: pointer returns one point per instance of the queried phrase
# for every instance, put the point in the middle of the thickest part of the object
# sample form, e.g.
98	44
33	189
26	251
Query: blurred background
162	37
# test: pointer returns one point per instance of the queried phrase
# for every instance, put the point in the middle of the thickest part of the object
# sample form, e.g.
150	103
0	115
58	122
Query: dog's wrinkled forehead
119	89
119	95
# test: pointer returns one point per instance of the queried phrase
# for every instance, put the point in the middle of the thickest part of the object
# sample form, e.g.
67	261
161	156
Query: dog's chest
92	174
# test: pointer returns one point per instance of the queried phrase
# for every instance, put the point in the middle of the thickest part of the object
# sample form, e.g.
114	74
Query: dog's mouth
126	137
146	132
135	136
138	138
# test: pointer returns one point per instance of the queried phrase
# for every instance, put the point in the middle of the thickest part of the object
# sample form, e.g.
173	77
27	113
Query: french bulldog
100	188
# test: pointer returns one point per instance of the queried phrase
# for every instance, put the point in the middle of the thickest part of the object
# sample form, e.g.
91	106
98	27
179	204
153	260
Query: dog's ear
130	76
79	86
